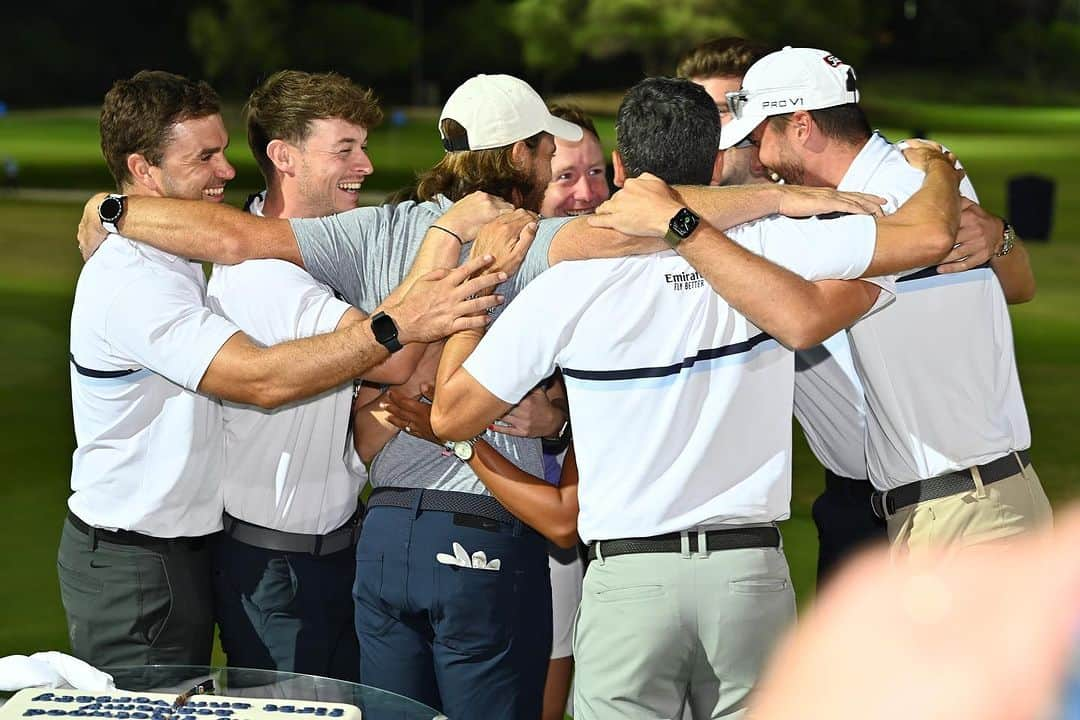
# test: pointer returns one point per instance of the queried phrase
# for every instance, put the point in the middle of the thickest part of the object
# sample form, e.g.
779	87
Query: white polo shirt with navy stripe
149	447
938	368
681	407
292	468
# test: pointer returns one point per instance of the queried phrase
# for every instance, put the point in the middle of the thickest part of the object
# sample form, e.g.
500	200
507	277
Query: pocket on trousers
75	582
478	609
629	594
759	585
372	615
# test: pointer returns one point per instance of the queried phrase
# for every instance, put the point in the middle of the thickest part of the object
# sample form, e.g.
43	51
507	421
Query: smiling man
284	568
147	359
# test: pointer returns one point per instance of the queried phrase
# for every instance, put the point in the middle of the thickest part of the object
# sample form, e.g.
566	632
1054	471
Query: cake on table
124	705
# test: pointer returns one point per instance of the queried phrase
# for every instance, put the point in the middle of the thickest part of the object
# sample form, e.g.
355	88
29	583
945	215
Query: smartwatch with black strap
385	330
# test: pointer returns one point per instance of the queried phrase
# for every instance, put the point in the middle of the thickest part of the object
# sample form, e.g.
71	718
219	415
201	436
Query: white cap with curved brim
499	110
785	81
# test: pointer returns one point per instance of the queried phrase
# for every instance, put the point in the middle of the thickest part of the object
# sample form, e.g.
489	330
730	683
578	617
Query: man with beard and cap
947	433
680	399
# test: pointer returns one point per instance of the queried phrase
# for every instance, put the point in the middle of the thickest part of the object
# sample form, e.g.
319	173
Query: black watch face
110	209
383	327
684	223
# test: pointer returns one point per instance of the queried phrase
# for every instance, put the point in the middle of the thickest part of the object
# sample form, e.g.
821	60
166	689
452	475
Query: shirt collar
255	203
866	163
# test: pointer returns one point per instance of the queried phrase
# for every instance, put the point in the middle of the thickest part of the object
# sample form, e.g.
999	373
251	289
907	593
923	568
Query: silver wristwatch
461	449
1008	239
111	210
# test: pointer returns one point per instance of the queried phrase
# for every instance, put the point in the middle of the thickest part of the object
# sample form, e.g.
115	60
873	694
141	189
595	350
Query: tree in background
556	33
241	41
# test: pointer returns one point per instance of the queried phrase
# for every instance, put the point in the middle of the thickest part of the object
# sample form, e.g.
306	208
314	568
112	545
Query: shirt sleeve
163	324
364	253
536	260
521	348
274	301
836	249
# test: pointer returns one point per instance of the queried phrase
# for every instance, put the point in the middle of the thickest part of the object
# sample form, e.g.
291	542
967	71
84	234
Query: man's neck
275	204
829	167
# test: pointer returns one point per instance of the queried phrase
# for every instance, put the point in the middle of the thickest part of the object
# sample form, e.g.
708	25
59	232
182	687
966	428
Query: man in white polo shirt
947	431
146	355
681	408
284	567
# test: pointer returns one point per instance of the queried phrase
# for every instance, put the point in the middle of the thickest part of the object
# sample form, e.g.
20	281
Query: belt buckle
879	505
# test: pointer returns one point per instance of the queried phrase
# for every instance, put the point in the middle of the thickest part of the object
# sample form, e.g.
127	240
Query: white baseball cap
499	110
785	81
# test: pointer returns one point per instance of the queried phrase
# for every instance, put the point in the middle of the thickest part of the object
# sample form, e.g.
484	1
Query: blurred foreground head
983	633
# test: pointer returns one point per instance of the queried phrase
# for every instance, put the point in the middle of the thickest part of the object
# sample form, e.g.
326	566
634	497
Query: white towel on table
51	669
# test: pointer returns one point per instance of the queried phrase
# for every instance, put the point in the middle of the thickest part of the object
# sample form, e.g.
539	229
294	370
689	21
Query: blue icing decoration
337	712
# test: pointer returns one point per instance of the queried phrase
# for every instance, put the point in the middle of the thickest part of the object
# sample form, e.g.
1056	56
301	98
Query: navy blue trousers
473	643
286	610
845	522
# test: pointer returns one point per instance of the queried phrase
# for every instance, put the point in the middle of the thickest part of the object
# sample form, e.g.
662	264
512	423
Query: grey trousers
657	631
136	605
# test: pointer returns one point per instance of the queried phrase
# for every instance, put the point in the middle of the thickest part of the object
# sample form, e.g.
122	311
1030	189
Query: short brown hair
575	114
138	114
284	104
845	123
459	173
720	57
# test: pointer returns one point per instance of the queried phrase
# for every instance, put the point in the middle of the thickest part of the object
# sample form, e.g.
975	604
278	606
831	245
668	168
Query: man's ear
282	156
802	125
520	154
619	168
141	172
717	168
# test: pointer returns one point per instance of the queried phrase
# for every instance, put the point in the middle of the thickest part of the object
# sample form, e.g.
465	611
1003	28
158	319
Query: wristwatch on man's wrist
461	449
1008	239
111	210
562	434
681	226
386	332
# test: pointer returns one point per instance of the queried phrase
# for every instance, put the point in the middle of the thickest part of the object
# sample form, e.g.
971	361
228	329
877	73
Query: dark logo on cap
833	60
782	103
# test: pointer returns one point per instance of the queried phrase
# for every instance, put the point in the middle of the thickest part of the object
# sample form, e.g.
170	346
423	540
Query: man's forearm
922	231
199	230
726	207
295	370
792	309
551	511
1015	274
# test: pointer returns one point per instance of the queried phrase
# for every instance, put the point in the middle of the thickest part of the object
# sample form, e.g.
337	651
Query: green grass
40	264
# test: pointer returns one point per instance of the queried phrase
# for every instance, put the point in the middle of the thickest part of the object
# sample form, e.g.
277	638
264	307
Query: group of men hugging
526	371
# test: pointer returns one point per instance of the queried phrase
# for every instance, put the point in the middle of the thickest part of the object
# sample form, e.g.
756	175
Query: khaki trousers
657	631
1008	507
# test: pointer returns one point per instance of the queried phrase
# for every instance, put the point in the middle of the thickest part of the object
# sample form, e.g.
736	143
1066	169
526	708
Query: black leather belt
129	537
889	502
318	545
483	506
755	536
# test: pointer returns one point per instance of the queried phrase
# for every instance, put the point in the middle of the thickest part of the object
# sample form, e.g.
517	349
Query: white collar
866	163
